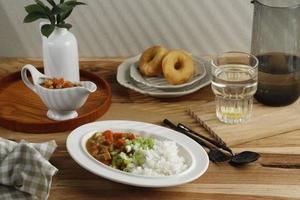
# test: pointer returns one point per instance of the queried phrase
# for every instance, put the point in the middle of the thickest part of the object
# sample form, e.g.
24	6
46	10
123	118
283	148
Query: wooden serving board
265	122
22	110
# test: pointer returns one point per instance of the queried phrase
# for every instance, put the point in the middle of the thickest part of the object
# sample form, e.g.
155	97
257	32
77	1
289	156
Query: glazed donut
151	59
178	67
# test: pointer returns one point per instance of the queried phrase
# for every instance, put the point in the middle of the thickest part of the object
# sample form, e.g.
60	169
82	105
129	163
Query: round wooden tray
22	110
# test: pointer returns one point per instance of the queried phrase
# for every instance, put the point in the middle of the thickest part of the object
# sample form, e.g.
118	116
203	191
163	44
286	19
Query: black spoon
215	153
241	158
237	159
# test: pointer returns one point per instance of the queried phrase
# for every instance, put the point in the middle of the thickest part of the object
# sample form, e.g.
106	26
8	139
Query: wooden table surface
276	175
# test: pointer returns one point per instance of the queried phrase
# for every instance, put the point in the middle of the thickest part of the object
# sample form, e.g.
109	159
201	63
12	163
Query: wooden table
275	176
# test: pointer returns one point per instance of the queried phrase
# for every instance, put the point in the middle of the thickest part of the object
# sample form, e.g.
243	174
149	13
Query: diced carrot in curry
131	136
67	84
120	143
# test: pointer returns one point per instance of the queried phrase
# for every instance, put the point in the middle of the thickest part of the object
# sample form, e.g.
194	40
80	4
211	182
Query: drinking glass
234	82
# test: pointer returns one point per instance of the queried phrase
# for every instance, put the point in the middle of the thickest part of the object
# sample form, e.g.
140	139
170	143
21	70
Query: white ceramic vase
60	55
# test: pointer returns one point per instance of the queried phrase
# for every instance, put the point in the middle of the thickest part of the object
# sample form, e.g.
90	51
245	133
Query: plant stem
51	2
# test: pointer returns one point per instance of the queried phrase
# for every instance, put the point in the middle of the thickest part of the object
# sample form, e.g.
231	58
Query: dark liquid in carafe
278	79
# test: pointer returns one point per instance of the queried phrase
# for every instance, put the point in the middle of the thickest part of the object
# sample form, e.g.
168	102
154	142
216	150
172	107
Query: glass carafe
276	44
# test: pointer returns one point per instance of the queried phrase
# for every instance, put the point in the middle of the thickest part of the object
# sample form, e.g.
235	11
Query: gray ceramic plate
123	77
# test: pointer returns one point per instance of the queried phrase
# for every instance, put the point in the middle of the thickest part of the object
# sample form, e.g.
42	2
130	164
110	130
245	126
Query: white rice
162	160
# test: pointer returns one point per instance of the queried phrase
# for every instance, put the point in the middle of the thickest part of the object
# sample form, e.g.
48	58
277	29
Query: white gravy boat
62	103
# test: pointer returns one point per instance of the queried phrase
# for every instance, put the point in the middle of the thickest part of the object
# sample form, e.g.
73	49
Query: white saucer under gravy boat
62	103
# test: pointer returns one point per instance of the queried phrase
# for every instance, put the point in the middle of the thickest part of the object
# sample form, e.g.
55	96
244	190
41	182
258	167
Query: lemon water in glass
234	82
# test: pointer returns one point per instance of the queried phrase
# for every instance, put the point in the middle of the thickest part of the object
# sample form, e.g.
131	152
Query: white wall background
110	28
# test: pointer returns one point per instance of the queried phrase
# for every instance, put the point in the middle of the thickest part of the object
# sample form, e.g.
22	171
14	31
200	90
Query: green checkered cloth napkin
25	172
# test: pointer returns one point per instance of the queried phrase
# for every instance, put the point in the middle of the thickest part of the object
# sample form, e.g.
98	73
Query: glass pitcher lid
278	3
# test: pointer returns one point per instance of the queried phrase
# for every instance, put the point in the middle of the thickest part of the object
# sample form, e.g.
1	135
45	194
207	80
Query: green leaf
74	3
67	26
56	10
40	3
34	8
47	29
61	1
33	17
47	10
64	15
68	8
65	7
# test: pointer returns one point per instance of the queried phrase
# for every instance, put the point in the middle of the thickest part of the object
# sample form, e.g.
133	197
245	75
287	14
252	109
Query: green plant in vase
56	13
60	49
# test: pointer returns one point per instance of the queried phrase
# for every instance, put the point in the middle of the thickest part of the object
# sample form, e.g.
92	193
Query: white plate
123	77
160	82
195	155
